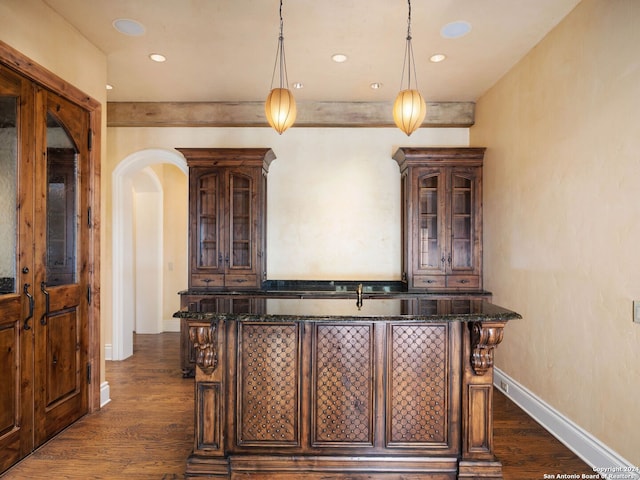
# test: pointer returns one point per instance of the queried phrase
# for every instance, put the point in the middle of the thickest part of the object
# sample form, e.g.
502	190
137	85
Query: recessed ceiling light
339	58
438	57
109	86
376	85
128	27
156	57
455	29
297	85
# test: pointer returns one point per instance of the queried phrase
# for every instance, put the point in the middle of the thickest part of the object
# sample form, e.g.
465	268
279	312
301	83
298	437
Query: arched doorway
134	171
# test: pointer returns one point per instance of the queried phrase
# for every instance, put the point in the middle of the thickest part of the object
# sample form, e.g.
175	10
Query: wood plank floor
146	431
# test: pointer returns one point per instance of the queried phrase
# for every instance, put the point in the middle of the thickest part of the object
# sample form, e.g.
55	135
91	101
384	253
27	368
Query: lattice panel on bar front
343	384
418	376
268	376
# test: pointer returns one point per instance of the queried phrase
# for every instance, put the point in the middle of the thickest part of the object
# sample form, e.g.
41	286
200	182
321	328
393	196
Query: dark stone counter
326	287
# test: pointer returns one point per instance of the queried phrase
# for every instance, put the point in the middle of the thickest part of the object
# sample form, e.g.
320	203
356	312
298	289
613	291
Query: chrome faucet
359	296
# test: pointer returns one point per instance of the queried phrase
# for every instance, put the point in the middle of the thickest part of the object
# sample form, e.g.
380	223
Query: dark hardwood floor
146	431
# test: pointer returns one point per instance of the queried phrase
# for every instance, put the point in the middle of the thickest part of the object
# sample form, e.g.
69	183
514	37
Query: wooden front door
44	258
17	301
61	369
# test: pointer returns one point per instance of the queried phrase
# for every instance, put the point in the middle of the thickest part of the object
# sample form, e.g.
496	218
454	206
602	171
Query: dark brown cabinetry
227	216
441	218
300	392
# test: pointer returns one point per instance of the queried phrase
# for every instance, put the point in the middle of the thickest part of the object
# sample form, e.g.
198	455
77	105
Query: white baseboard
105	394
108	351
171	325
593	452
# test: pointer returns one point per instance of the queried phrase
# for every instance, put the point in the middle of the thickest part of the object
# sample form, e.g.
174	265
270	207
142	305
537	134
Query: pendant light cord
409	63
280	58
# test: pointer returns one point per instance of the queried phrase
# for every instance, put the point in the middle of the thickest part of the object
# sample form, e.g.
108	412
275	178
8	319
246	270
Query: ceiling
224	50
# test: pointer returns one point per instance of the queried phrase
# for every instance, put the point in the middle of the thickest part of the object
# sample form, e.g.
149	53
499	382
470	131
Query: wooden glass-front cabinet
227	216
441	217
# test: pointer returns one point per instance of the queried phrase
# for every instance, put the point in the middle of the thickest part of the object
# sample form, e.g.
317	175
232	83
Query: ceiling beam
251	114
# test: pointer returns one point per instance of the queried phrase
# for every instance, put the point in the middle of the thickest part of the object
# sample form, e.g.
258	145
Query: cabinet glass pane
462	222
62	205
8	201
207	221
241	305
208	305
461	307
241	221
429	255
427	307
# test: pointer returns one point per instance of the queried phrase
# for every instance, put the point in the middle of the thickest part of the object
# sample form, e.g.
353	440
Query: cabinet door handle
31	306
43	288
220	257
449	259
463	281
227	259
443	259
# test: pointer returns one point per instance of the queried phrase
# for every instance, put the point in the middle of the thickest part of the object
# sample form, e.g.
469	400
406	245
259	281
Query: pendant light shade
280	109
409	111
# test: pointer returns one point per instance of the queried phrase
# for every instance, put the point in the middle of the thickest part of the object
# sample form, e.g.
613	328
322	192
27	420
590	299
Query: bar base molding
291	467
473	470
207	467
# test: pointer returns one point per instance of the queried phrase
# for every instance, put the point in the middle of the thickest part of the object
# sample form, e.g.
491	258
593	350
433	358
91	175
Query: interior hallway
146	431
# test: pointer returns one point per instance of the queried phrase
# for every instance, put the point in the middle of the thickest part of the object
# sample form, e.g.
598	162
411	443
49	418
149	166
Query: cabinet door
464	255
269	372
343	385
242	245
429	229
421	401
207	263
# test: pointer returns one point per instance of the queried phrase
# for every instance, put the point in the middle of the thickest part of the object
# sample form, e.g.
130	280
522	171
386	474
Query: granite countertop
329	288
374	308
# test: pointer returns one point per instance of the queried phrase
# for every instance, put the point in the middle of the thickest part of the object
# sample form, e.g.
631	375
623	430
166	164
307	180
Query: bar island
344	386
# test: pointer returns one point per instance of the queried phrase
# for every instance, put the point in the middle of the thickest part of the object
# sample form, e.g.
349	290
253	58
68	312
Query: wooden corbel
485	337
204	340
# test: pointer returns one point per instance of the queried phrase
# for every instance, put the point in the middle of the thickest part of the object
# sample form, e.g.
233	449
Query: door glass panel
8	197
428	214
208	221
62	209
241	221
462	222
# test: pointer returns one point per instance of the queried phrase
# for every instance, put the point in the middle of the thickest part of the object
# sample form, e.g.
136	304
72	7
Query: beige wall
562	218
33	29
175	187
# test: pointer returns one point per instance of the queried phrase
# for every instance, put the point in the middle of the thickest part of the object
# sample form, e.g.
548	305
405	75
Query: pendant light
409	109
280	107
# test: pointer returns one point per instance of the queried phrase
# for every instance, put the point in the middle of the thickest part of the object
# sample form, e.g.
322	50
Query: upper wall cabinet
227	216
441	217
